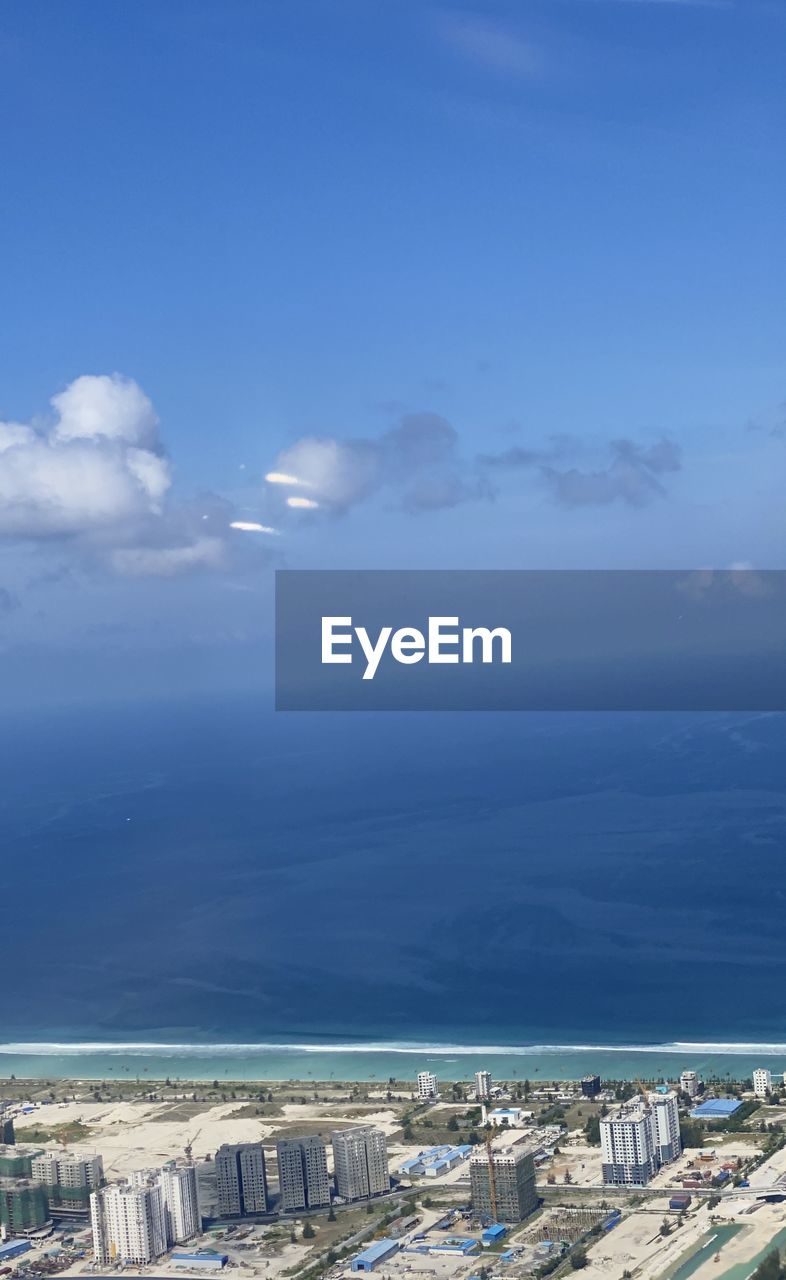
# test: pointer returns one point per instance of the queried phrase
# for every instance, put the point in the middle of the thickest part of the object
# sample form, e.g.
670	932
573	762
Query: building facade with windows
762	1082
483	1086
241	1180
638	1138
181	1204
504	1191
427	1087
360	1161
303	1180
128	1224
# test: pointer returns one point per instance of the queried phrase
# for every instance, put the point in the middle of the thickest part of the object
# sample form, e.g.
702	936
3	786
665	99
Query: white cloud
252	526
97	475
419	460
165	562
108	407
97	464
341	472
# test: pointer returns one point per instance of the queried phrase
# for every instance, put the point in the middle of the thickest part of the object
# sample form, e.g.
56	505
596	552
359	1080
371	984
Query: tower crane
190	1146
492	1173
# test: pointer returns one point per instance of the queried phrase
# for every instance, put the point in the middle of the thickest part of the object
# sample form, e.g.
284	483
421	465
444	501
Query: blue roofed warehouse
377	1252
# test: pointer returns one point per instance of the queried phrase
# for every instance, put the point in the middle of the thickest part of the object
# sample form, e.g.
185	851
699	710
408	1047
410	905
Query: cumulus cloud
633	476
98	463
106	407
418	460
96	474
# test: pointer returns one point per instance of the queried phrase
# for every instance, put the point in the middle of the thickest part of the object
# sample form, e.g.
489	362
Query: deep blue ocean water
214	872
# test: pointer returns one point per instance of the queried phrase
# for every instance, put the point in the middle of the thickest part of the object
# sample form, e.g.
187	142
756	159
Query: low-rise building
513	1117
590	1086
375	1254
689	1084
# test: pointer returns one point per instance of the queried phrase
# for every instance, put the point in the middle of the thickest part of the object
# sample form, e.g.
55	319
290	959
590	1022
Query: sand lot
129	1137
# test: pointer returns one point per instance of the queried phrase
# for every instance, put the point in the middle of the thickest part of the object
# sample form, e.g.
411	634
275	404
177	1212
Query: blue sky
504	282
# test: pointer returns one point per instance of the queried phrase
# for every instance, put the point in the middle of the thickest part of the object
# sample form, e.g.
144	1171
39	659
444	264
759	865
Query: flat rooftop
717	1108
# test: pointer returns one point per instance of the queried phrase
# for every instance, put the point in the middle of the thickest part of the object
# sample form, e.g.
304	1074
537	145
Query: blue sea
377	889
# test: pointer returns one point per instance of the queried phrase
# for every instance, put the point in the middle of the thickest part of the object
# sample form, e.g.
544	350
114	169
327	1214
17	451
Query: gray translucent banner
530	640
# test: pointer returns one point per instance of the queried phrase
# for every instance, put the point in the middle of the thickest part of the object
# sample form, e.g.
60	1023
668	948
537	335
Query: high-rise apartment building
483	1086
23	1207
69	1179
360	1160
762	1082
241	1180
181	1206
508	1196
128	1223
666	1127
639	1137
427	1086
303	1173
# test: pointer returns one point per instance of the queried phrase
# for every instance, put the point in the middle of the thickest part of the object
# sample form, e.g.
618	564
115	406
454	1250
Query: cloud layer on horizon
95	476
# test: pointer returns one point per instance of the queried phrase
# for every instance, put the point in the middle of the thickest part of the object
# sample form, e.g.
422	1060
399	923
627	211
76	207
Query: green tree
592	1131
692	1133
770	1269
578	1258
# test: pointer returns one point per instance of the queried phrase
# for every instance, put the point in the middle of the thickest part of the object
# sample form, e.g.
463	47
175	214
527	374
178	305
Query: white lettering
408	645
445	642
373	652
487	638
329	639
436	639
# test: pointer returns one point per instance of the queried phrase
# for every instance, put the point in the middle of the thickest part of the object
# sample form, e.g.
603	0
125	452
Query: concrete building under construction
23	1207
503	1183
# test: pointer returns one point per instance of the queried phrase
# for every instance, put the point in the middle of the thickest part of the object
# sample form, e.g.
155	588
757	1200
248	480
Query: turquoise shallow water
381	1061
742	1270
708	1246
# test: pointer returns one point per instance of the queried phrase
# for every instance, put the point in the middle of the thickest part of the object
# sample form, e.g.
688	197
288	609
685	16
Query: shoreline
399	1060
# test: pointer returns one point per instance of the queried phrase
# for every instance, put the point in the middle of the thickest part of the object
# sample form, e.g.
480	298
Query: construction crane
190	1145
492	1173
